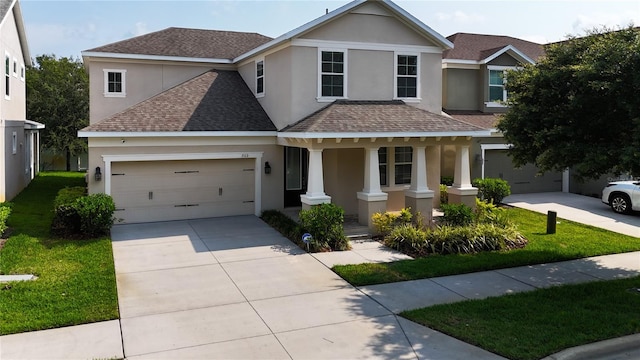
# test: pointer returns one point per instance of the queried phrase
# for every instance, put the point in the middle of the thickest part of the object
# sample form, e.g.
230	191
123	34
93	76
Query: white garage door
146	191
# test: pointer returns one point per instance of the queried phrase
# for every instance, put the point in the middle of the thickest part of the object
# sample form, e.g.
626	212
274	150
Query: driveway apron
235	288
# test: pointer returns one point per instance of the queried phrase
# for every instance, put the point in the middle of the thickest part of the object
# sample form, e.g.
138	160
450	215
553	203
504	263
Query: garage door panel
173	190
523	180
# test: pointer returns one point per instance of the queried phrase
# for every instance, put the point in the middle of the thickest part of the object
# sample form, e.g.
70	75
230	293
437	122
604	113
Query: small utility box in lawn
551	222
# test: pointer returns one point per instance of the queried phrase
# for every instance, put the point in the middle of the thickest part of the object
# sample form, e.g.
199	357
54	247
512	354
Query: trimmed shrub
385	222
68	195
457	214
5	211
407	238
446	180
489	213
96	214
492	190
287	227
444	194
325	224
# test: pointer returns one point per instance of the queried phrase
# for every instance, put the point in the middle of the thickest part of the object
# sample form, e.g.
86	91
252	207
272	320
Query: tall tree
579	106
58	96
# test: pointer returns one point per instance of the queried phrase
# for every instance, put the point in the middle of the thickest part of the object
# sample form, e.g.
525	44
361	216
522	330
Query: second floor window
115	83
7	76
332	74
497	91
260	78
407	76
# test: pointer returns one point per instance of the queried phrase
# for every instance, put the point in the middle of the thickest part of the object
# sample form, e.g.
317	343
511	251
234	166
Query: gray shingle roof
477	118
213	101
343	116
479	47
196	43
5	5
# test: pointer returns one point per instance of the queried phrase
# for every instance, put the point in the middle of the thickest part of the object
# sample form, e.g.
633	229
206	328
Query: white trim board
129	134
350	45
108	159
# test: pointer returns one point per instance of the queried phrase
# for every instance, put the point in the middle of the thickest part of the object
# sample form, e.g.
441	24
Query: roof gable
213	101
13	6
190	43
482	49
400	13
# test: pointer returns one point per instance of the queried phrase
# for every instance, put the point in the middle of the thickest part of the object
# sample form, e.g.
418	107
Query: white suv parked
622	196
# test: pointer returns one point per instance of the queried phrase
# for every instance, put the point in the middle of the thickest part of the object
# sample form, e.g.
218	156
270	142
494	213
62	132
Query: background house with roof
346	109
473	91
19	137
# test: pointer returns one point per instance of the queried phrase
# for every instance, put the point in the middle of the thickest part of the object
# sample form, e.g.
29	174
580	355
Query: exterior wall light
98	175
267	168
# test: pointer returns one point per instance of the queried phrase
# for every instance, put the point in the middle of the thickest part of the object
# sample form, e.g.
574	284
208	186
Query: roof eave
33	125
137	134
109	55
514	52
348	135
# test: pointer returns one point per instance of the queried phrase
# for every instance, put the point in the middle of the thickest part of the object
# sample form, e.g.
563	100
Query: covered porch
384	156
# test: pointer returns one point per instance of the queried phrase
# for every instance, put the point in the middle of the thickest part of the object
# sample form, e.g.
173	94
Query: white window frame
345	71
395	76
15	67
391	171
504	88
262	93
14	142
123	93
7	76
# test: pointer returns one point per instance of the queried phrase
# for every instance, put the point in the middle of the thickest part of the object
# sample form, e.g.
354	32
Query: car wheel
620	203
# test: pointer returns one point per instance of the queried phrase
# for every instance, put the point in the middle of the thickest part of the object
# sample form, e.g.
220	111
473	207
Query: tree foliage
579	106
58	96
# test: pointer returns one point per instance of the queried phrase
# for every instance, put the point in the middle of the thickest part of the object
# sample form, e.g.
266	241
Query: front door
295	176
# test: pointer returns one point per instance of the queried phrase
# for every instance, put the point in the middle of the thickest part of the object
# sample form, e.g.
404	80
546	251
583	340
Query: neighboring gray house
19	138
347	109
473	91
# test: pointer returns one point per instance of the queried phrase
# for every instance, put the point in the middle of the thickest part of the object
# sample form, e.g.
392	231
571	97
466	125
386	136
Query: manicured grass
571	241
536	324
76	278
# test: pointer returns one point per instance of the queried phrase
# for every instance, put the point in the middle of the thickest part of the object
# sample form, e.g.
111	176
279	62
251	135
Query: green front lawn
76	278
571	241
536	324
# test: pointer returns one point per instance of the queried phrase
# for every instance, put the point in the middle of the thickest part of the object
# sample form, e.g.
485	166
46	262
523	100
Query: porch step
356	237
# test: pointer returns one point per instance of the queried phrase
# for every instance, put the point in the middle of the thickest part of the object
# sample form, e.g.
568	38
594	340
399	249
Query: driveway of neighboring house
578	208
235	288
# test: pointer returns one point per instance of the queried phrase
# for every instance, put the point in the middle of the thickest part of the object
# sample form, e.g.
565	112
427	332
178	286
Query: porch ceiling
377	119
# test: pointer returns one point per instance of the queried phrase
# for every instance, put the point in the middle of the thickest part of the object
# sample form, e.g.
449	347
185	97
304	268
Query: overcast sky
65	28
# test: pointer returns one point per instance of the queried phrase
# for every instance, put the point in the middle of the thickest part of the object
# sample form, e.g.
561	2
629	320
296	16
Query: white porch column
315	187
462	191
371	199
419	197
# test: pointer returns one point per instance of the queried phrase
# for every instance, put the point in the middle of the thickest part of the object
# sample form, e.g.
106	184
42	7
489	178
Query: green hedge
325	223
80	215
5	211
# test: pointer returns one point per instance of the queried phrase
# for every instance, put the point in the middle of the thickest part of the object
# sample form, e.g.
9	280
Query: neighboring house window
406	76
497	91
332	74
395	165
22	72
260	77
382	160
15	67
7	76
403	155
115	83
14	142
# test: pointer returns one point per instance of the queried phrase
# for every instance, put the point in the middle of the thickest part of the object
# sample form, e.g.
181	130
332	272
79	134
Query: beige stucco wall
272	184
461	89
369	23
504	60
13	108
142	81
13	178
370	75
344	177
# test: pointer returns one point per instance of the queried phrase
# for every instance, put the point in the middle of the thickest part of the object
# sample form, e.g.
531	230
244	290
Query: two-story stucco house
19	138
473	91
345	109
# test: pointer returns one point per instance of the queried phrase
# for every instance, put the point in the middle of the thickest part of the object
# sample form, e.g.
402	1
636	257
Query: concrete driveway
235	288
578	208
